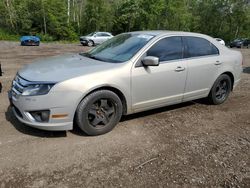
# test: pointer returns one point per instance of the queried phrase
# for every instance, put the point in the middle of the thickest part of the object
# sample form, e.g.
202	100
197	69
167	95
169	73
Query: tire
220	90
99	112
90	43
37	43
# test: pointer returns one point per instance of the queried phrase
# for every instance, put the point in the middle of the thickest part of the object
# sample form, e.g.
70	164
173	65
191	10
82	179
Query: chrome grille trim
19	84
16	91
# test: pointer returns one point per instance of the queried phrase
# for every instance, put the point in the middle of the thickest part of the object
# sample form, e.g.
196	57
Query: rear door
155	86
203	63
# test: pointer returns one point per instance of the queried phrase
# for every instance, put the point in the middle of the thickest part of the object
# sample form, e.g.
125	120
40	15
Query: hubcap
90	43
221	90
101	112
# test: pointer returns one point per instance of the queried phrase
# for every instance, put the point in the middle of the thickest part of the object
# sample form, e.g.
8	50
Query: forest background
54	20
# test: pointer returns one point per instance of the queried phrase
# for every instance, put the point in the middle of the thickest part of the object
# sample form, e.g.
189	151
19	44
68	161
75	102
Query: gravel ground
188	145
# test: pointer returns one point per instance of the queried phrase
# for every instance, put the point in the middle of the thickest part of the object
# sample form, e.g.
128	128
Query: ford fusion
132	72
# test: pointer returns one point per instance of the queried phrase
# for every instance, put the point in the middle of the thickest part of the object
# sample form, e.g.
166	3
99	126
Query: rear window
196	47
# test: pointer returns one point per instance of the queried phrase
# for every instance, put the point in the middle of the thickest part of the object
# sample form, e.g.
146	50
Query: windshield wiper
91	56
94	57
99	59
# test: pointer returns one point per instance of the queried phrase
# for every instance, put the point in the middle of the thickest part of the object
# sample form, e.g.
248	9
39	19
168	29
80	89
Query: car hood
64	67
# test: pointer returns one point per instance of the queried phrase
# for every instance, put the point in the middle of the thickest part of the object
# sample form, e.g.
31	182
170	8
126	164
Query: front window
120	48
167	49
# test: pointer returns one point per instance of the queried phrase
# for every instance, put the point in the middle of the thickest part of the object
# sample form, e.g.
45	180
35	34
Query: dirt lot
187	145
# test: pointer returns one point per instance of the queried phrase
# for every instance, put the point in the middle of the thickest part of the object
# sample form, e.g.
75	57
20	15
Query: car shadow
160	110
246	70
10	117
77	131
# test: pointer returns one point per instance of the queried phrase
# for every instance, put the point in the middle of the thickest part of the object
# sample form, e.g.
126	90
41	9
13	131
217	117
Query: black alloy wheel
220	90
99	112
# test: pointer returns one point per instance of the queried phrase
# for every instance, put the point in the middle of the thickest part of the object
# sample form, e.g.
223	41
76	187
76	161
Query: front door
155	86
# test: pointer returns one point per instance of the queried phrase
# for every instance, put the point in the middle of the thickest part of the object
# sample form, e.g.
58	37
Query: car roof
166	32
102	32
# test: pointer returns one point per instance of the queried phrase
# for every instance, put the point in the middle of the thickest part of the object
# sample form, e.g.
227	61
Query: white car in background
220	41
95	38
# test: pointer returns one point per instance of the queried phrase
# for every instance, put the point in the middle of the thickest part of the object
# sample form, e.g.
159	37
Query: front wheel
220	90
99	112
91	43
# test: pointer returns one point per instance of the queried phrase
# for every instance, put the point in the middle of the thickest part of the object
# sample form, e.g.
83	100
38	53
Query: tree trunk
44	20
8	4
68	10
236	32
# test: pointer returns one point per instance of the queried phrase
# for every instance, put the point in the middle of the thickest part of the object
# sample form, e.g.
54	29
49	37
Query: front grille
18	86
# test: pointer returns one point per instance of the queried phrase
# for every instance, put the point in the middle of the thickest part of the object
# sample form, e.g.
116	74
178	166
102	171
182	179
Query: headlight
37	89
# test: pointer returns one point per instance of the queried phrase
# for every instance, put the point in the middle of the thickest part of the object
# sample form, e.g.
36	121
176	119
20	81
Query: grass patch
7	36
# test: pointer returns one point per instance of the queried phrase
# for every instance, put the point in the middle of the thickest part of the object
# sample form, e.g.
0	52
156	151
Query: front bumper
22	105
30	43
84	42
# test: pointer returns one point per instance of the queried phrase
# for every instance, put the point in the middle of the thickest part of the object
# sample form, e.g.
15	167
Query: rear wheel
99	112
220	90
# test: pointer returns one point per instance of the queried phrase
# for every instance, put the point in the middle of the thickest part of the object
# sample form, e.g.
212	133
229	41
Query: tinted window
105	35
167	49
199	47
102	35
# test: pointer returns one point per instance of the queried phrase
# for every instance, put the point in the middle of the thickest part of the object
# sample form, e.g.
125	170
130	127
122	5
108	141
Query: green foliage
46	37
7	36
67	19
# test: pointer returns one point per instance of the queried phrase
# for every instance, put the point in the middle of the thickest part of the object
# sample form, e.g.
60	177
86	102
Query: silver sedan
95	38
130	73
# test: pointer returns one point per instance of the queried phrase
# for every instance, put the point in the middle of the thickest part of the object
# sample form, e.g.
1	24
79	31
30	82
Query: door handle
179	69
218	63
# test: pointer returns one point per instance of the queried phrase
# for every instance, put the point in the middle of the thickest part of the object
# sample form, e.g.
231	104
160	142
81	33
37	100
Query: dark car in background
240	43
30	41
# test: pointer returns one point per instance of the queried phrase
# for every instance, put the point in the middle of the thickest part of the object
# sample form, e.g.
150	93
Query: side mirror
150	61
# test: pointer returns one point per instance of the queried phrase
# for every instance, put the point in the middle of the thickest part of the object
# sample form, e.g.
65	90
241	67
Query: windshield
237	40
120	48
91	34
